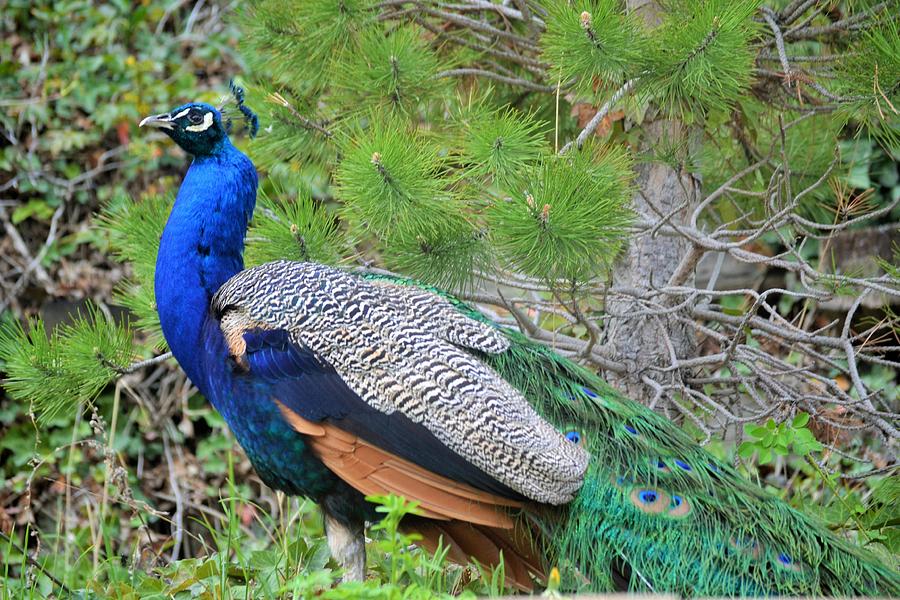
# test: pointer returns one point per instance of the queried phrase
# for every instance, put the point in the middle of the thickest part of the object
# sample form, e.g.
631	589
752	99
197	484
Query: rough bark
643	341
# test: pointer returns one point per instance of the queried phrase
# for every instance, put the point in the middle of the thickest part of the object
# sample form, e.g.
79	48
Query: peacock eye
195	118
575	436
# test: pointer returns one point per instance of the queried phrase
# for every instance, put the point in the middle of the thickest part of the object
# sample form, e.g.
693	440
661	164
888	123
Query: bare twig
517	81
601	114
137	366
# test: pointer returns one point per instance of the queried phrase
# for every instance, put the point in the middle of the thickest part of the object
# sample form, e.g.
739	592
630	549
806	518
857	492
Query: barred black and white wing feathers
402	351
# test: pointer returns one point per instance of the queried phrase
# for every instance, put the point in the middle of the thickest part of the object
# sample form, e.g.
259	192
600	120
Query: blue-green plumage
200	249
318	371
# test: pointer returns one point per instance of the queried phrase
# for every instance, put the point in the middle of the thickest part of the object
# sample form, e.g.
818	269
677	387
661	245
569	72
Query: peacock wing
414	388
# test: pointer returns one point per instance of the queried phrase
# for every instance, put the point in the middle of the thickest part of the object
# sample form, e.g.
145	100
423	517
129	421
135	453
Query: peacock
339	385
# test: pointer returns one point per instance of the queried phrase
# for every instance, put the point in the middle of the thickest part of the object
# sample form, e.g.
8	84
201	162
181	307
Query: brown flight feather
372	470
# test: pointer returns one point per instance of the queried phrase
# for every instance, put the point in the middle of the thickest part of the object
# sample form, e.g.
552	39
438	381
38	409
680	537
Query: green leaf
756	431
800	420
864	74
444	253
301	41
38	209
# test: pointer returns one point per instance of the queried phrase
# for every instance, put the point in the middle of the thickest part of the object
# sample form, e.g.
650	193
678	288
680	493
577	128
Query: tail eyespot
575	436
787	562
679	506
650	500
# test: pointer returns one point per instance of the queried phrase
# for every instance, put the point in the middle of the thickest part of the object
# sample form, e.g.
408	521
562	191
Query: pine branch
852	23
517	81
522	14
792	11
600	115
136	366
304	122
533	65
66	368
769	16
480	26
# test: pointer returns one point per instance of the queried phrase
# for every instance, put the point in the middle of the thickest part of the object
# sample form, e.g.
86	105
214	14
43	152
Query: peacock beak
163	121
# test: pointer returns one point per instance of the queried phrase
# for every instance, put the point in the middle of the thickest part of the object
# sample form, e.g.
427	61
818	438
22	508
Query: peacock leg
347	542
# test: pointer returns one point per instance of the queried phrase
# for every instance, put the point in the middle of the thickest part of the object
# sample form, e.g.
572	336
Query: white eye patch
206	124
181	114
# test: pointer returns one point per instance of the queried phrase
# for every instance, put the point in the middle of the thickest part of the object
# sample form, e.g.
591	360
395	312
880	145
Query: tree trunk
640	340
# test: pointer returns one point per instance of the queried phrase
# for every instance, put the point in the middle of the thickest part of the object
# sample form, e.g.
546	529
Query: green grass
287	557
109	547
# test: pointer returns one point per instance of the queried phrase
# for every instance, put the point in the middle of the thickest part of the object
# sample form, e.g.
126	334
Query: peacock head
196	127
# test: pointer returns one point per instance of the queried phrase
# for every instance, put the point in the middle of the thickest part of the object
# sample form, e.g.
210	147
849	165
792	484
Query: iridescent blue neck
201	248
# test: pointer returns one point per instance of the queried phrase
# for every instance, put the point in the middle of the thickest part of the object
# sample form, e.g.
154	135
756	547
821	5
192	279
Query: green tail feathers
657	512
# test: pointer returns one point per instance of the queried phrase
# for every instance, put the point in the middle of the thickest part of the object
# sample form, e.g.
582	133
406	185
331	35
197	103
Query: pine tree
569	163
